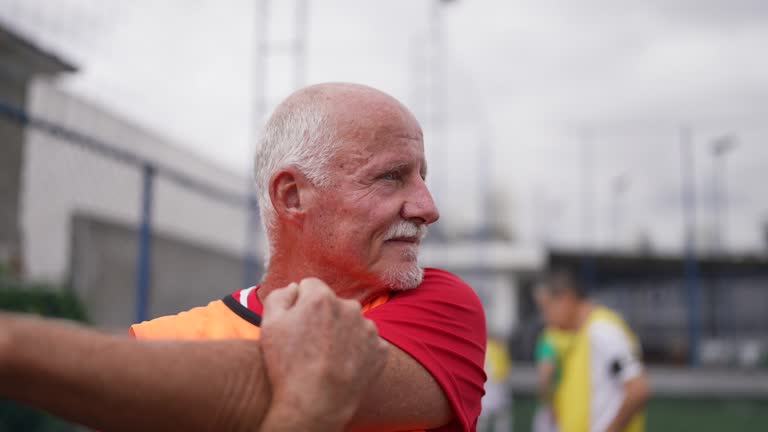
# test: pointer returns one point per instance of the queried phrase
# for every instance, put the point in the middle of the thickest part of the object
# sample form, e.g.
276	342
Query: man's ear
287	187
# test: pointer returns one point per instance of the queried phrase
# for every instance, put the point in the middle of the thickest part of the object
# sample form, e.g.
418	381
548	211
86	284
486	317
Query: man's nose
420	205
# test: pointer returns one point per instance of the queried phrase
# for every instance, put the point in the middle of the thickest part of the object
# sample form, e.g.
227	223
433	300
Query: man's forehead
371	127
365	138
395	152
376	122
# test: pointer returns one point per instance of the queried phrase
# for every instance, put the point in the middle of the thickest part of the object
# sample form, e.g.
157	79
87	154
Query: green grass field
664	415
681	415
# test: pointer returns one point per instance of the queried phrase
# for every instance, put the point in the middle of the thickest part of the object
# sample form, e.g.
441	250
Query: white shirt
614	360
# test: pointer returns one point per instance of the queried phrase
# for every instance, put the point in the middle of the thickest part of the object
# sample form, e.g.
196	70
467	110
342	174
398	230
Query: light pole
691	268
435	104
587	193
619	188
588	268
720	149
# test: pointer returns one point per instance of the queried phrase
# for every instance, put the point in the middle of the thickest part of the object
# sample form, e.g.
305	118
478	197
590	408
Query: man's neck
582	313
286	265
281	272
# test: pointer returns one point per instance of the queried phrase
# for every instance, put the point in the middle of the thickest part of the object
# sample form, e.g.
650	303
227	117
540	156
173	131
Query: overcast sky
530	86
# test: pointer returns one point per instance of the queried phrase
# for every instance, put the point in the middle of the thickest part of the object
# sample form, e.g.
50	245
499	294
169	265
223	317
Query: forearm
284	418
119	384
636	395
404	397
544	373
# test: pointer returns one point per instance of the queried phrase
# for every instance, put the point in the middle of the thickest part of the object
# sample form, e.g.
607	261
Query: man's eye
392	175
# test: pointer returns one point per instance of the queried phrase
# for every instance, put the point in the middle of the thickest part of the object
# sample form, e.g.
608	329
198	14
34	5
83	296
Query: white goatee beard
403	280
410	277
399	279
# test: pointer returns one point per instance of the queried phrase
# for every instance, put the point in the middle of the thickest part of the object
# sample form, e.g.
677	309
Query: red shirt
441	324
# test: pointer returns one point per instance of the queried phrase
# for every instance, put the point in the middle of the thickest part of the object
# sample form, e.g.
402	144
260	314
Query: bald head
348	108
339	94
309	127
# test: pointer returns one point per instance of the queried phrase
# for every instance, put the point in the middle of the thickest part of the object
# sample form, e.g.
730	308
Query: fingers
309	294
280	301
312	289
316	295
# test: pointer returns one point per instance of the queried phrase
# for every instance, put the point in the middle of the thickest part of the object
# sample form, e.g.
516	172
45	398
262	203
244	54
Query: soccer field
689	415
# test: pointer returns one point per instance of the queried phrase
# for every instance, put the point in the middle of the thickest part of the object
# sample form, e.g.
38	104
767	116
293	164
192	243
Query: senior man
340	173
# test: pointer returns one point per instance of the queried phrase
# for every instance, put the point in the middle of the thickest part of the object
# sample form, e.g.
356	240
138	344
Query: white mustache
406	229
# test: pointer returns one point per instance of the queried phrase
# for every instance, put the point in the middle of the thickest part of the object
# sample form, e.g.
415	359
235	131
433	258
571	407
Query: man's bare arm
405	396
636	394
545	370
119	384
104	381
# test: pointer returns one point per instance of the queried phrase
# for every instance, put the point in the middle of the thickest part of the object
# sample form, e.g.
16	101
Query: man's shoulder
604	329
180	325
440	293
608	328
445	283
441	288
604	313
217	320
606	319
441	324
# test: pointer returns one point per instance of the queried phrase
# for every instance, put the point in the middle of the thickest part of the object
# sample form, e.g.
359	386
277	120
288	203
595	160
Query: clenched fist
320	353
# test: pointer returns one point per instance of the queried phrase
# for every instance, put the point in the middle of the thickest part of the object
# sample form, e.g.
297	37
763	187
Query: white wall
59	179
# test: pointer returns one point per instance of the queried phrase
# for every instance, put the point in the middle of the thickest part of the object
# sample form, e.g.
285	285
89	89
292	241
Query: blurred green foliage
40	299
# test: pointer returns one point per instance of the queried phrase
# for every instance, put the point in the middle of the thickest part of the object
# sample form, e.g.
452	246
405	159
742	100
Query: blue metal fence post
691	272
144	250
588	272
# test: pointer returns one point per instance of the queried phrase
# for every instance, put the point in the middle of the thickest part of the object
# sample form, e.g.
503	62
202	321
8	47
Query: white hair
297	135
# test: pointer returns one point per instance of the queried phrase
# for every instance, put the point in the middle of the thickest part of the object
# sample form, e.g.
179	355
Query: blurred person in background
551	346
602	387
497	402
340	173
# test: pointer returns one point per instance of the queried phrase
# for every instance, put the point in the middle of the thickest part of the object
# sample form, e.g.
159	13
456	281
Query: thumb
279	301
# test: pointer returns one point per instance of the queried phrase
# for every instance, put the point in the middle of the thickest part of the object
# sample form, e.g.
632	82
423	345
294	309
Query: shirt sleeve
441	325
545	351
612	344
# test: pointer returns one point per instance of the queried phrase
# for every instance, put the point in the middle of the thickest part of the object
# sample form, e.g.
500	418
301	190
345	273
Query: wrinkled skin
338	232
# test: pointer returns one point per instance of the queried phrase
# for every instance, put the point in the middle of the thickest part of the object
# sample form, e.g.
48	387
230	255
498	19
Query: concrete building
70	214
20	63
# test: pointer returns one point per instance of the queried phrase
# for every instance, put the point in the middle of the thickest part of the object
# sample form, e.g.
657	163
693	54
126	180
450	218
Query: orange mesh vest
220	319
